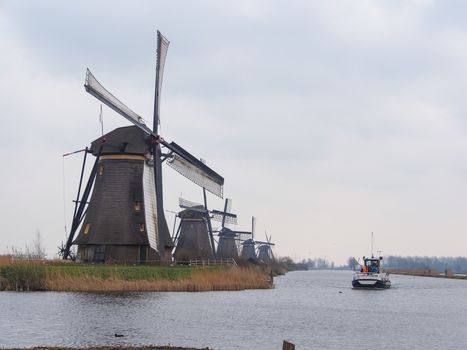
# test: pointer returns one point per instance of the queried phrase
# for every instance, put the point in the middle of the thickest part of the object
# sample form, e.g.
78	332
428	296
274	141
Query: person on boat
364	269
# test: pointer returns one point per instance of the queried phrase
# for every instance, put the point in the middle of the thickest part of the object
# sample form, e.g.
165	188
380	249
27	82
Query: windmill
125	219
228	238
265	254
194	238
249	245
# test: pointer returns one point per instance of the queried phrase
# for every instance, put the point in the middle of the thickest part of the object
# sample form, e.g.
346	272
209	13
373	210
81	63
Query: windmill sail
102	94
193	173
228	218
253	227
195	170
185	203
150	207
162	48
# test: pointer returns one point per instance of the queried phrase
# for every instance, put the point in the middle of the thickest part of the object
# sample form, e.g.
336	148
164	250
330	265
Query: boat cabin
371	265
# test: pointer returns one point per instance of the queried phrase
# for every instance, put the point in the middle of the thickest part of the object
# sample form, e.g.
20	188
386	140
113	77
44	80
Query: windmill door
143	254
99	254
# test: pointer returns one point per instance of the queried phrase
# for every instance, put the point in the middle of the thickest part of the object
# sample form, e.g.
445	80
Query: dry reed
5	259
201	280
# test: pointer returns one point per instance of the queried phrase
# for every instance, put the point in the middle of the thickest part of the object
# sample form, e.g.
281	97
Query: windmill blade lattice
162	48
96	89
186	204
230	219
194	172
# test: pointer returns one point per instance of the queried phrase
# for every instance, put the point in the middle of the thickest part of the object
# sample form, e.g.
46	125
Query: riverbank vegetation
288	264
447	273
62	276
455	264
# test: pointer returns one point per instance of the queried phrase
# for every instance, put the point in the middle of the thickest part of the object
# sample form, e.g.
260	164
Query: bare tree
352	263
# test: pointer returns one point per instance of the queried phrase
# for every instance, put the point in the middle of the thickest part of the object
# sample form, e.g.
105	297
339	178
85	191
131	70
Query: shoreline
426	273
122	278
168	347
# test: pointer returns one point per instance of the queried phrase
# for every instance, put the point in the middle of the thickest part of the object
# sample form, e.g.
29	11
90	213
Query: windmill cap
126	140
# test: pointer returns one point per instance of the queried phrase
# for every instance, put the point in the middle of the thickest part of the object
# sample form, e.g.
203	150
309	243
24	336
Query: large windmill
125	217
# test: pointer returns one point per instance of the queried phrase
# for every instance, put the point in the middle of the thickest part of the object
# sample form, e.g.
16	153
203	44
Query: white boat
370	275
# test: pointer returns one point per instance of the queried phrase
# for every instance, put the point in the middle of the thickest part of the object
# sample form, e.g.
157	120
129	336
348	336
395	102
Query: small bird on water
119	335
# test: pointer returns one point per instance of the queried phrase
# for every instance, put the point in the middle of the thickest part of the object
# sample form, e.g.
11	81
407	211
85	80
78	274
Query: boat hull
371	281
366	284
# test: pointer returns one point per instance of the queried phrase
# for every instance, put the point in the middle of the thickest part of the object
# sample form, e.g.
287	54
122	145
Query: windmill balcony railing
207	262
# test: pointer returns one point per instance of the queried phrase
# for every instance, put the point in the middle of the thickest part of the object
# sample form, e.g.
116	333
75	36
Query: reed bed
25	276
199	281
5	259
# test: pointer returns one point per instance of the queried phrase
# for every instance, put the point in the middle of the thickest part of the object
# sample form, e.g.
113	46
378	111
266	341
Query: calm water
306	308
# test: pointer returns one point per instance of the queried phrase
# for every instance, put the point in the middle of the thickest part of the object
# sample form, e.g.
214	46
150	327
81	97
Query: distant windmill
125	217
265	254
249	245
194	238
228	238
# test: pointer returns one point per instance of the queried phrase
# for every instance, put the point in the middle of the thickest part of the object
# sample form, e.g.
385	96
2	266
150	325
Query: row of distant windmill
124	219
195	235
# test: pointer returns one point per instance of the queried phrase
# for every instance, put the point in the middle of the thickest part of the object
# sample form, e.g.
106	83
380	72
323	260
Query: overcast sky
328	119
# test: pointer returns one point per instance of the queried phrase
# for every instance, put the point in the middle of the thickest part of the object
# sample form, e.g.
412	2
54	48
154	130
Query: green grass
123	272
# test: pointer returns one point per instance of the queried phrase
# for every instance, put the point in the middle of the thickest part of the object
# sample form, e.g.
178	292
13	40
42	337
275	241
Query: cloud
328	120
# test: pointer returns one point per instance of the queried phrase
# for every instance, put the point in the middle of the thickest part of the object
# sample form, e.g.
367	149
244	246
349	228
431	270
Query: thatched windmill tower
125	219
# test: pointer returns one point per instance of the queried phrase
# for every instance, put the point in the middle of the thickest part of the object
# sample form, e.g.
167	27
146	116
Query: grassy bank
28	276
